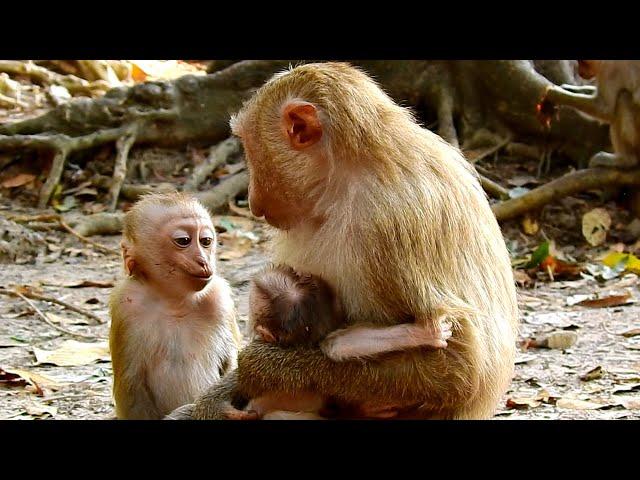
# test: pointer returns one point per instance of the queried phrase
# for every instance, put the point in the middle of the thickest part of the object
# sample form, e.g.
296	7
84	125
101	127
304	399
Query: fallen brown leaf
631	333
18	180
520	403
611	301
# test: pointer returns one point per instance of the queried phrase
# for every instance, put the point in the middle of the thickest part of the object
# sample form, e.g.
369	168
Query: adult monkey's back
395	219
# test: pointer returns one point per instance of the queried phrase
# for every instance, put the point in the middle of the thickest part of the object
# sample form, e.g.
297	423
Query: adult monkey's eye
182	241
206	241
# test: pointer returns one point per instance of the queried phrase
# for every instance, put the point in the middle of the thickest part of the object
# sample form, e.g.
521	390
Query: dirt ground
547	383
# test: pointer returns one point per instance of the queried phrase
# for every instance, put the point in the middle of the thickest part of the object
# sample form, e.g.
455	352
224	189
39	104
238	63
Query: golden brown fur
395	220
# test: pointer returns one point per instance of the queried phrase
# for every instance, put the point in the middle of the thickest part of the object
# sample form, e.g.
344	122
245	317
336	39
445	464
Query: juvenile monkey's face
188	251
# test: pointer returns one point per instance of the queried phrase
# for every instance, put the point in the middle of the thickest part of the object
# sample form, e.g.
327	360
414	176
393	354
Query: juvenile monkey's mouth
202	276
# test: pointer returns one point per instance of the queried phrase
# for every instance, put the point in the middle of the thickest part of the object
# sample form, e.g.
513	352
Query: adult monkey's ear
301	123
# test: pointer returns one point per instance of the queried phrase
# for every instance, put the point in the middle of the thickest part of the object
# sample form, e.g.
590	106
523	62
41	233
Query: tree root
217	156
570	184
216	200
493	188
99	224
44	76
123	145
84	239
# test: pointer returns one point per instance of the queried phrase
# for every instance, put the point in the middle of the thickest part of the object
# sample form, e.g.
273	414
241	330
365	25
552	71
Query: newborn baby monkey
288	308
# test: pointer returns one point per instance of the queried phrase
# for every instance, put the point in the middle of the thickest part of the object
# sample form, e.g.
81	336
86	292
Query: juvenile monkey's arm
592	105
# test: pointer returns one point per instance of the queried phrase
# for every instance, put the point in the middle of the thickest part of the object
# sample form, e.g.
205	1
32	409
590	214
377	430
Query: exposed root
87	240
100	224
123	145
47	77
217	156
446	128
55	174
494	189
9	102
217	199
570	184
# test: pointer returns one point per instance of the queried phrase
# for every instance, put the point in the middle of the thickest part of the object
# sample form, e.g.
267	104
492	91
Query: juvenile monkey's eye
206	241
182	241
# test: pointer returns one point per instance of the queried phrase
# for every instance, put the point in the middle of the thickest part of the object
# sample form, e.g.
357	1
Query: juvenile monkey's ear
127	256
302	124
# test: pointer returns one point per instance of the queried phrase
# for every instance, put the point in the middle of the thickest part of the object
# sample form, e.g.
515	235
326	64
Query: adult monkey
395	220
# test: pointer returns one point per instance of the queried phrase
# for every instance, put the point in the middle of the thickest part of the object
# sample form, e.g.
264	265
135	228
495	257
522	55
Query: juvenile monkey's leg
625	136
358	342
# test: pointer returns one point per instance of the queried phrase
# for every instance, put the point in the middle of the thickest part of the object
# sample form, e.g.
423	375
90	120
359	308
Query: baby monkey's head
288	308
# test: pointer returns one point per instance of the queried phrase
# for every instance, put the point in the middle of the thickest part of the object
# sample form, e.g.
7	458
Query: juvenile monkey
365	198
616	101
173	328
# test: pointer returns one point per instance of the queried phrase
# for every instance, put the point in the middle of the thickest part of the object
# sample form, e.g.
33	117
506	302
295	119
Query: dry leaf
522	278
41	411
522	402
634	387
72	353
631	333
611	301
21	378
233	222
83	284
524	359
630	403
12	379
60	320
529	225
593	374
631	262
595	225
575	404
559	340
18	180
235	246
